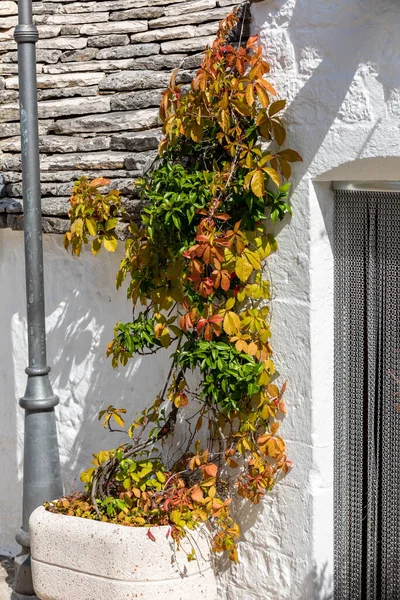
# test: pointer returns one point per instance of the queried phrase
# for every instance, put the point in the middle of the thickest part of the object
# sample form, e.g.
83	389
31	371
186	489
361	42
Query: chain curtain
367	395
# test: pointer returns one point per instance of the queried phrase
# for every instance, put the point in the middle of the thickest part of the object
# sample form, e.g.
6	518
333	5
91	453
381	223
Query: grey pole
42	478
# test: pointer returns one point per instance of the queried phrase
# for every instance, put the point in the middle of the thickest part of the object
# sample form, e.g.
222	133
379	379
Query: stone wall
102	66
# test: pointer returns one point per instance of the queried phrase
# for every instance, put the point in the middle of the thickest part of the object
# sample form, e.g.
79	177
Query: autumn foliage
194	268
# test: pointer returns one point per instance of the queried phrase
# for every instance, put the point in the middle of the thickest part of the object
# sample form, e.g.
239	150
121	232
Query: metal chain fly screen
367	395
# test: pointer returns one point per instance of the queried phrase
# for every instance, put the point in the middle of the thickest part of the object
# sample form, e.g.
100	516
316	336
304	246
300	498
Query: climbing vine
193	268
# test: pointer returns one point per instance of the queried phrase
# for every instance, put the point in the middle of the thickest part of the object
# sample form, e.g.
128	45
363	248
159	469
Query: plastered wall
339	65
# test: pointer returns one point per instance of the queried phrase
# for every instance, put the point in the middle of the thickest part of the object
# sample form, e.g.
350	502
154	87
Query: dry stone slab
54	206
7	22
44	8
48	56
60	80
188	18
113	5
136	100
49	224
130	51
7	45
94	160
55	144
172	33
114	27
79	55
8	8
189	7
192	62
43	56
11	69
74	106
225	3
52	94
71	176
137	13
63	43
162	61
8	96
119	121
106	41
9	112
7	34
12	129
48	31
137	140
60	108
68	30
134	80
72	19
99	65
187	45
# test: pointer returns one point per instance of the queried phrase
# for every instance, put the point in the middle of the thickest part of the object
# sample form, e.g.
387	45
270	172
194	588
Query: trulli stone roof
101	68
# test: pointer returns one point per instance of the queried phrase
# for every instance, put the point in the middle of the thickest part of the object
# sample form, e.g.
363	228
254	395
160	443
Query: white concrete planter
80	559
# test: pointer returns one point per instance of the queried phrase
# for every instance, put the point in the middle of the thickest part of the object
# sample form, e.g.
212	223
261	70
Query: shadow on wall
334	61
82	308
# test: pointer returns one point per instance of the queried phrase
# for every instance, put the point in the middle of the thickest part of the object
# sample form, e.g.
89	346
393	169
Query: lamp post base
23	577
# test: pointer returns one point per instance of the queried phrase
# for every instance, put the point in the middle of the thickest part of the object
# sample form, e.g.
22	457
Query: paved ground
6	577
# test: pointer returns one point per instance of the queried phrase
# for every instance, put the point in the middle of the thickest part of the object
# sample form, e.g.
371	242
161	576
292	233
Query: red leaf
150	535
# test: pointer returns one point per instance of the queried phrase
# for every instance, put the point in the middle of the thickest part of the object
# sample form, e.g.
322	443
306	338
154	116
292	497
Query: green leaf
111	223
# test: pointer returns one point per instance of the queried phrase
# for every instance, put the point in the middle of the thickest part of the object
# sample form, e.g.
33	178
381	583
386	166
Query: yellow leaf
118	419
258	183
110	244
230	303
275	447
243	268
276	107
86	476
274	175
91	226
253	258
250	94
273	391
165	338
103	456
231	323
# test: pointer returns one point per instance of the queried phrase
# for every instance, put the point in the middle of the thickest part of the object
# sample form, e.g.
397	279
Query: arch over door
367	395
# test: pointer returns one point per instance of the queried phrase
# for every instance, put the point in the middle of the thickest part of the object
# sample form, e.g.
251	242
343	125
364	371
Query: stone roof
102	66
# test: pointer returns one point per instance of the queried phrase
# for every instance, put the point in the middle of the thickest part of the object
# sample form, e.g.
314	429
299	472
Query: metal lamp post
42	479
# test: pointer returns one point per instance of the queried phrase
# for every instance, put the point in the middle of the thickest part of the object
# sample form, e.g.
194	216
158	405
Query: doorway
367	393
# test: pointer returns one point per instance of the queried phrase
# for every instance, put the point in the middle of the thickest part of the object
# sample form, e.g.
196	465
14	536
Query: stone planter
74	558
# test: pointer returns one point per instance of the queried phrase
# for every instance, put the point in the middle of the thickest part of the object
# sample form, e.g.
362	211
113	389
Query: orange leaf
274	427
266	84
197	494
211	470
99	181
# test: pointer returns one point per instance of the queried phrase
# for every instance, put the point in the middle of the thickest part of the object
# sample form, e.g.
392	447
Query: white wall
82	308
339	65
